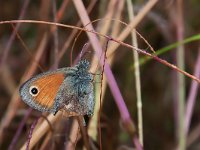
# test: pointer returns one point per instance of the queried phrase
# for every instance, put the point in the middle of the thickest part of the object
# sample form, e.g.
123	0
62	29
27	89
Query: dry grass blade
14	103
92	129
116	108
41	130
124	34
137	74
12	37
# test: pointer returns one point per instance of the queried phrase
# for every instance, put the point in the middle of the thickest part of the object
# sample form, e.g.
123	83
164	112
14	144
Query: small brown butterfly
70	88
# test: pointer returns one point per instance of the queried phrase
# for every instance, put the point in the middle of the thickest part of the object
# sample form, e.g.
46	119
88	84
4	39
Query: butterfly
69	88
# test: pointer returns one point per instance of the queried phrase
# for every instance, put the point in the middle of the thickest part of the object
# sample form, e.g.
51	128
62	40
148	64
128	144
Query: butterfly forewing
48	88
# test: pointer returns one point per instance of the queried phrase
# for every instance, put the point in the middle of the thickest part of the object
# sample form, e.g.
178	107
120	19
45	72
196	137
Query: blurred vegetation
158	82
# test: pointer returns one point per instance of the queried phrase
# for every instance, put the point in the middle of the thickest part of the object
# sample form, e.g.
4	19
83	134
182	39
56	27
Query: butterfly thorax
76	92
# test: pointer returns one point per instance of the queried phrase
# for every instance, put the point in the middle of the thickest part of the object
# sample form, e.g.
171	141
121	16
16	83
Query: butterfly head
83	65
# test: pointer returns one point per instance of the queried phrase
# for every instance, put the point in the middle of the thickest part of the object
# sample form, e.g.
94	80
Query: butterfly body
68	88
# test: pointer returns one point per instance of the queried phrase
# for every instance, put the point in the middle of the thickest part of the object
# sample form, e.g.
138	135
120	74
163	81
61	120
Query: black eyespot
33	90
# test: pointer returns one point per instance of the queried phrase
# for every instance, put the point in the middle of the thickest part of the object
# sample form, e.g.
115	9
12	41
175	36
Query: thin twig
30	133
115	40
101	92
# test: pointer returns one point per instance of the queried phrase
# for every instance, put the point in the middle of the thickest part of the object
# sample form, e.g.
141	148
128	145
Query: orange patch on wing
48	88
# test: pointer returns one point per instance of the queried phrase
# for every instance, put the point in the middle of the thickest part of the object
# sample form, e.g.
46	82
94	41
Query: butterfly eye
34	90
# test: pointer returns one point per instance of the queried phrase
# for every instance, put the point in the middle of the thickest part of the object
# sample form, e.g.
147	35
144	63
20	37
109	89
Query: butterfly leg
56	107
83	120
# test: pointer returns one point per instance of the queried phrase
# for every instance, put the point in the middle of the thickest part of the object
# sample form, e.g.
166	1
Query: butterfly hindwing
47	86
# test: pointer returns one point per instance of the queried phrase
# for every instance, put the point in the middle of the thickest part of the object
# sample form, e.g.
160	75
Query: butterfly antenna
82	53
84	50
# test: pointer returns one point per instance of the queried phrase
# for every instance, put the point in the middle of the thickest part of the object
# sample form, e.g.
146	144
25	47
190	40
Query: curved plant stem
153	56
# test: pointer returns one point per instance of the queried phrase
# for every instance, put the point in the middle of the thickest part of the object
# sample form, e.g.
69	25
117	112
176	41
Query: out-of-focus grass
170	47
157	81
